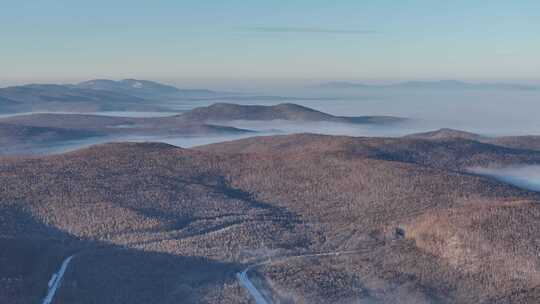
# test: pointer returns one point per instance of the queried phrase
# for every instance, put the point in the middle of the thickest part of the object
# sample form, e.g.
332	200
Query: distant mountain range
50	97
146	89
96	95
438	85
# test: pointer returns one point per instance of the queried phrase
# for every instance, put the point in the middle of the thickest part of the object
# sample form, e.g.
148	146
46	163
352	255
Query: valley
269	152
30	134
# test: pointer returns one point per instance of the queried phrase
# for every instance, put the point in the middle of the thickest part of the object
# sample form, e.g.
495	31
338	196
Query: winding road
245	282
253	291
257	294
55	280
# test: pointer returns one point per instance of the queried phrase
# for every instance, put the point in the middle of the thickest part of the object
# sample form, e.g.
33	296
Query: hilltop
16	139
525	142
284	111
446	133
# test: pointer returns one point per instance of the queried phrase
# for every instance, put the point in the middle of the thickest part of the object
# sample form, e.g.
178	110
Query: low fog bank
527	176
136	114
54	147
273	127
261	128
497	113
489	112
72	145
188	141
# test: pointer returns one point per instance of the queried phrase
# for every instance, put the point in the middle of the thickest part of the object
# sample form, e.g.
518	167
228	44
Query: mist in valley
494	112
526	177
486	112
476	110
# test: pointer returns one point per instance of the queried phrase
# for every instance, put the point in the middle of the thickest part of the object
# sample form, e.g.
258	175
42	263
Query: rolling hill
285	111
14	136
199	122
446	133
524	142
153	219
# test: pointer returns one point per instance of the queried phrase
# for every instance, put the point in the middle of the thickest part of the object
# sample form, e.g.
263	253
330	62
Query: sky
64	40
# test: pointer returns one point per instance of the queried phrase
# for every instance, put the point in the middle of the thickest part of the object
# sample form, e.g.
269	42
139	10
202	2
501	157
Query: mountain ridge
96	95
145	88
440	84
283	111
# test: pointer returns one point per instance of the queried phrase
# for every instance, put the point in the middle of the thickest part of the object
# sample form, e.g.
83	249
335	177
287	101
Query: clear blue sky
465	39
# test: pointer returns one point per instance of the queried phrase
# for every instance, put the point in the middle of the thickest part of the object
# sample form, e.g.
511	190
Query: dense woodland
156	223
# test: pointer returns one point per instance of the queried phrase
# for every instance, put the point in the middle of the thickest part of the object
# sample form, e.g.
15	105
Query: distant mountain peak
446	133
144	87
